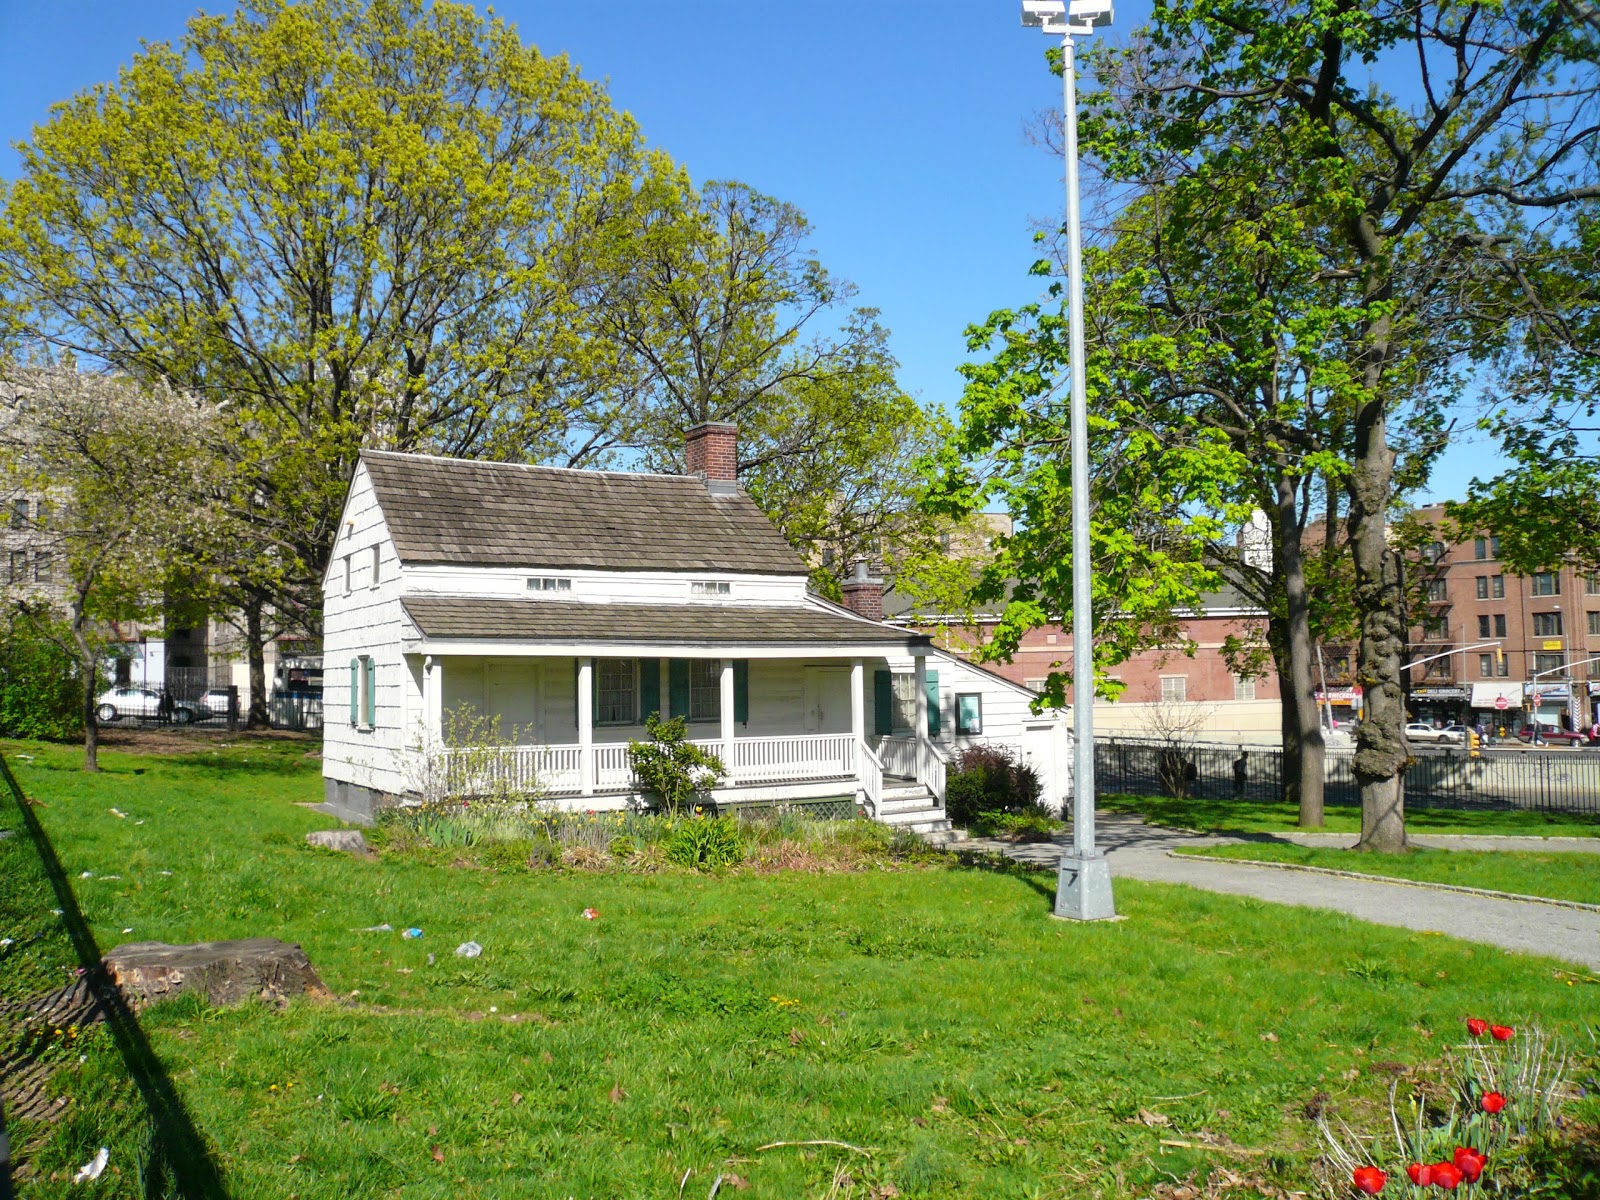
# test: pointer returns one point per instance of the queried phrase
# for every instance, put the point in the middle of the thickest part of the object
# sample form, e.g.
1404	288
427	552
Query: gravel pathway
1139	851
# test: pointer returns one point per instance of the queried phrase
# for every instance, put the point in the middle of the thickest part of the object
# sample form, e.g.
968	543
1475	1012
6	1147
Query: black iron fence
1555	780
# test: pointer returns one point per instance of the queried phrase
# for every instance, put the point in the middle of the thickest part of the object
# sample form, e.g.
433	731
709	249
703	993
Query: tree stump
223	972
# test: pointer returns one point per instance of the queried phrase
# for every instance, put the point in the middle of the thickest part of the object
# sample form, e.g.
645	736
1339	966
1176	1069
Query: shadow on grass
182	1159
1039	877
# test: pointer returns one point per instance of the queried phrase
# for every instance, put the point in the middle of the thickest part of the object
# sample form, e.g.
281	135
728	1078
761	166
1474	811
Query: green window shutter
372	693
882	703
678	686
355	691
933	703
649	687
741	690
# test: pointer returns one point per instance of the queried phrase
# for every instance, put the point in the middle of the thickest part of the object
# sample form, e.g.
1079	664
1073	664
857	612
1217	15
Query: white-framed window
347	574
1037	685
705	689
548	583
969	713
710	587
1244	687
618	682
363	692
377	553
903	689
1174	689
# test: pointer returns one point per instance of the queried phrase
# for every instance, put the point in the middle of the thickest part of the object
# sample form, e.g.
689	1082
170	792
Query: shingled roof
448	617
486	514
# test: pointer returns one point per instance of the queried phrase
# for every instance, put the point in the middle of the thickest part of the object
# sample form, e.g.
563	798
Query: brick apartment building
1543	629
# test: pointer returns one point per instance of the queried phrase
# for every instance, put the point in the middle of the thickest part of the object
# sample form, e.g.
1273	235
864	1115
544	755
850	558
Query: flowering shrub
990	779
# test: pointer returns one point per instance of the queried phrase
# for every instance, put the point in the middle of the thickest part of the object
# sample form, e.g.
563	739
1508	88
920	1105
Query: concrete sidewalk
1139	851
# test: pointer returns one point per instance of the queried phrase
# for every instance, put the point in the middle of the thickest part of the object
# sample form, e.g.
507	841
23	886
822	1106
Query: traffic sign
1501	703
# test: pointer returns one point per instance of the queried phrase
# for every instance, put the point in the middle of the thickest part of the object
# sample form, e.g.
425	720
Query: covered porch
791	720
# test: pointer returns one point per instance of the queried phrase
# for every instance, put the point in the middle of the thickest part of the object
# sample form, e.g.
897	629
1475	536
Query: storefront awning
1485	694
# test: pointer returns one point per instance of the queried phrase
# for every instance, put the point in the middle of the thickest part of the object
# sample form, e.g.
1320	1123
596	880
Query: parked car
141	702
1458	735
1421	731
1549	733
214	703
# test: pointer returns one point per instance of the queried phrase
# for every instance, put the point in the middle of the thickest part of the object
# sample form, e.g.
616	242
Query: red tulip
1446	1175
1421	1174
1470	1163
1477	1027
1369	1180
1502	1033
1492	1102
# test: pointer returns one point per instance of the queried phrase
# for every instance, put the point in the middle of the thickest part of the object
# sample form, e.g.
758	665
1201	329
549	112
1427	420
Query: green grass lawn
1557	875
1251	816
935	1018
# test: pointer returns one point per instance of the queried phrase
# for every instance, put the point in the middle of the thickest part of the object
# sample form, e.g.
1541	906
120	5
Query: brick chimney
711	451
863	594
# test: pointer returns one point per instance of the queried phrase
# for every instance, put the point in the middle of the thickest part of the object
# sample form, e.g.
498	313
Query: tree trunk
89	664
1300	682
1381	752
256	647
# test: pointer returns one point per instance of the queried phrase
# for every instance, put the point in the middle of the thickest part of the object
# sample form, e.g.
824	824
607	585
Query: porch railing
871	780
555	769
899	757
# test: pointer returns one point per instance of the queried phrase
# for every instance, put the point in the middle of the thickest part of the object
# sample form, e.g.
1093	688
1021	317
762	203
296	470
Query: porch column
858	720
924	750
432	701
727	716
586	726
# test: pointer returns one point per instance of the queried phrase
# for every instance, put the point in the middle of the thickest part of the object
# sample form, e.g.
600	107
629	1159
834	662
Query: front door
821	683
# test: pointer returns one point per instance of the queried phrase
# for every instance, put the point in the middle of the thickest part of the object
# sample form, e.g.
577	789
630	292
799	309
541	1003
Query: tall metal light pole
1083	888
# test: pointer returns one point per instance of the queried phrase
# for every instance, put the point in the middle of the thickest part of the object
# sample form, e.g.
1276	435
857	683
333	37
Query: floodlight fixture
1066	16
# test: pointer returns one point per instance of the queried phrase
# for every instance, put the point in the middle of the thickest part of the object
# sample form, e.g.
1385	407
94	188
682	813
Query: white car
142	702
1421	731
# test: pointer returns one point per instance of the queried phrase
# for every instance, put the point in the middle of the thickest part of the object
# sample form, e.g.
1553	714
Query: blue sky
898	128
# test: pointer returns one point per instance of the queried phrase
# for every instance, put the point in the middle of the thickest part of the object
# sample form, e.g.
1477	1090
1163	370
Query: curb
1431	887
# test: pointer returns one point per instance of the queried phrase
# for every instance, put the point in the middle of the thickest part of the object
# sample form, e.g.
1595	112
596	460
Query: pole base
1083	888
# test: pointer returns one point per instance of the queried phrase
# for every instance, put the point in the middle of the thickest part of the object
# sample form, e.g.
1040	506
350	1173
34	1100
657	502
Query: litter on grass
591	914
412	933
94	1167
384	928
469	950
86	875
115	812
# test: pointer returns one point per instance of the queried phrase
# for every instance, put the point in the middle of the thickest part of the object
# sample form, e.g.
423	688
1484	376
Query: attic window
548	583
710	587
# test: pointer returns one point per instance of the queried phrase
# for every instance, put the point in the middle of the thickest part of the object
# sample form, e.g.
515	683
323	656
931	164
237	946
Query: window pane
1486	665
905	701
1483	625
1494	547
1480	548
1594	623
969	713
1174	689
1243	689
1547	624
616	684
1498	587
1483	587
1437	590
1499	625
705	689
1547	662
1546	584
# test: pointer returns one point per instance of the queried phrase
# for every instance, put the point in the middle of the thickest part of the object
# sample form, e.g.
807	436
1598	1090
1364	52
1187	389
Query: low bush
1035	825
704	843
989	779
41	689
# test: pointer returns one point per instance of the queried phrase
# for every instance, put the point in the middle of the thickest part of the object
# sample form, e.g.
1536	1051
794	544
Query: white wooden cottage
568	605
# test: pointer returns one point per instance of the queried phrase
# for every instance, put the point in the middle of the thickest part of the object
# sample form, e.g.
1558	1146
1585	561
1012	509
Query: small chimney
863	594
711	451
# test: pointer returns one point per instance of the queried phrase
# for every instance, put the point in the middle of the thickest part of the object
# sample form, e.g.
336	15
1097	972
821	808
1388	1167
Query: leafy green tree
343	223
671	766
129	485
720	303
1318	230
